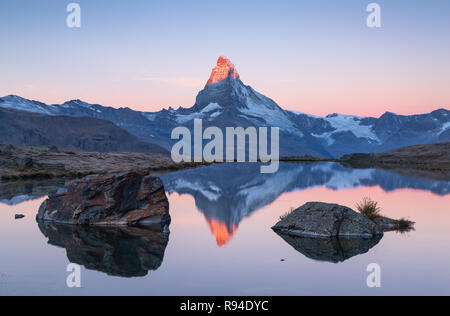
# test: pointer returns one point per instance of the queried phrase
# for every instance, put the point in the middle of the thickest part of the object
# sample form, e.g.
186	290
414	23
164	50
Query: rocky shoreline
424	161
430	161
49	162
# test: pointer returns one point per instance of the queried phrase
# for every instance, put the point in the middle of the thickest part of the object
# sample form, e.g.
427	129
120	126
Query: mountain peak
223	70
13	97
76	101
220	230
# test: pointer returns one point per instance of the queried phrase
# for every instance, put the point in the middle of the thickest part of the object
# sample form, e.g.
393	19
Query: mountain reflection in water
222	232
226	193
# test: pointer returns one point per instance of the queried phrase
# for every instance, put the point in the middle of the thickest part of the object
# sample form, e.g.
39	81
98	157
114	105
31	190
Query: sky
314	56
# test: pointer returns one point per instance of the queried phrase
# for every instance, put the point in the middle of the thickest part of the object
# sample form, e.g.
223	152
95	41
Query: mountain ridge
226	101
20	128
171	109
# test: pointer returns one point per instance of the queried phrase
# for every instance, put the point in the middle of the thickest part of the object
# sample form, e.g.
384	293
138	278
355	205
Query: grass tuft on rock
282	217
369	208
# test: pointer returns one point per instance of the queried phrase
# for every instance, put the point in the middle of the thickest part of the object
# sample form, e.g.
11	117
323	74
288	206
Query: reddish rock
119	199
223	70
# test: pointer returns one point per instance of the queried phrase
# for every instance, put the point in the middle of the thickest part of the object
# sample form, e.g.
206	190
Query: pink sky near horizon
328	91
313	95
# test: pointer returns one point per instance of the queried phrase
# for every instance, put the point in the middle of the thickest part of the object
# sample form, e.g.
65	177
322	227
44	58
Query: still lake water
220	240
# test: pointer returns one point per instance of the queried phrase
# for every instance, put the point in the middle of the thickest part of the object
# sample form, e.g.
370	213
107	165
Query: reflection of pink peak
220	231
223	70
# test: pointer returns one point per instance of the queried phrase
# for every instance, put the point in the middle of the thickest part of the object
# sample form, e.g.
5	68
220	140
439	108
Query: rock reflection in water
333	250
117	251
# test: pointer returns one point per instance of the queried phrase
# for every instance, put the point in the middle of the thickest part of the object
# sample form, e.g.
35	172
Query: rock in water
317	219
131	199
19	216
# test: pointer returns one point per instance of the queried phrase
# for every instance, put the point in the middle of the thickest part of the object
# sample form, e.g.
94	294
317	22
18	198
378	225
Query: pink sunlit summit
223	70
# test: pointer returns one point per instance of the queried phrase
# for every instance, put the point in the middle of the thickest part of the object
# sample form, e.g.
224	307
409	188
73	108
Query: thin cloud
178	81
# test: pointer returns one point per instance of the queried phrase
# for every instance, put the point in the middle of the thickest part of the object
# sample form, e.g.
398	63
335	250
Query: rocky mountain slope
20	128
48	162
428	161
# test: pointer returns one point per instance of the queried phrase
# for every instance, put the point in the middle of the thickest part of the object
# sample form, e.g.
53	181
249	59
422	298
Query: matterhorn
226	101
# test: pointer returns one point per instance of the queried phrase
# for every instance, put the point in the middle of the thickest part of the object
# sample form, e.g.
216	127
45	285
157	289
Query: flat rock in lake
317	219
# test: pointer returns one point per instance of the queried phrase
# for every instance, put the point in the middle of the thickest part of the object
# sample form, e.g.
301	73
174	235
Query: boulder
317	219
133	198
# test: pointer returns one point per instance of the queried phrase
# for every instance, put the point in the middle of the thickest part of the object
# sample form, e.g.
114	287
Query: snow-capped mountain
227	101
17	103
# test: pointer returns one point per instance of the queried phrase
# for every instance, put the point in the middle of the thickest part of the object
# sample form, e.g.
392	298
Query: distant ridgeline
226	102
70	133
